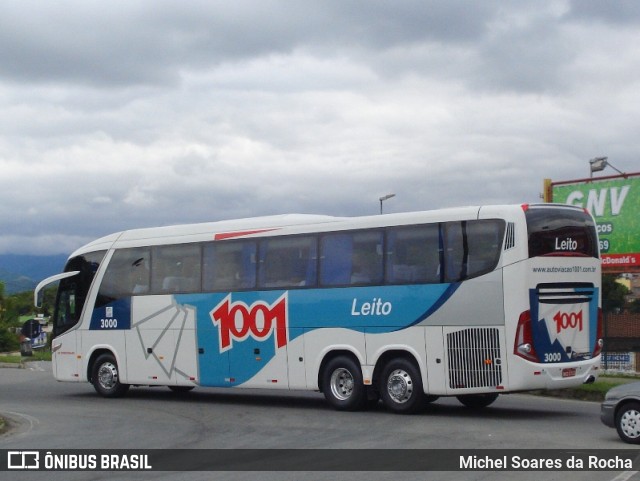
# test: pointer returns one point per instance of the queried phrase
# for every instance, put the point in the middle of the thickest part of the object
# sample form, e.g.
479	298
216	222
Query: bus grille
474	358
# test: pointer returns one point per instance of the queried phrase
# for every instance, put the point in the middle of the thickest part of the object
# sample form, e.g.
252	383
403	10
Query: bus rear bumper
564	376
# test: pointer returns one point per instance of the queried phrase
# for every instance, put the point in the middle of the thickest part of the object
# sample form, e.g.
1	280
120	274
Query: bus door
258	363
66	356
246	338
213	365
65	346
159	337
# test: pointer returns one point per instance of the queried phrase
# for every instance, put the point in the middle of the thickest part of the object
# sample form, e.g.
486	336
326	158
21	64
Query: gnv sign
597	199
614	202
236	321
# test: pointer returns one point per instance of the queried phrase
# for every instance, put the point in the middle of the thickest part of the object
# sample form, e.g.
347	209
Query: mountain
23	272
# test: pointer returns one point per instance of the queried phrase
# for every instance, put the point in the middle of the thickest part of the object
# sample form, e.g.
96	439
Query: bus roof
287	224
241	227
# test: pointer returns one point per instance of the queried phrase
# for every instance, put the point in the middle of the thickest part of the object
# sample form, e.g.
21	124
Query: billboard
614	202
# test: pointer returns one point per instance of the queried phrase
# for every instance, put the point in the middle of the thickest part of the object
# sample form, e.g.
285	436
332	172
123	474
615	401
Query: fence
621	342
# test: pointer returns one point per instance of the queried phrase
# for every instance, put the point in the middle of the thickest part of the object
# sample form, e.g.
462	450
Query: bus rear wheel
477	401
342	384
401	387
106	379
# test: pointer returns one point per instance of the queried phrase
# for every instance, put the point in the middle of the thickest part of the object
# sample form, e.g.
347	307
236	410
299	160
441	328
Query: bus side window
485	245
366	266
229	265
127	274
472	248
175	268
335	259
455	251
351	259
288	262
413	255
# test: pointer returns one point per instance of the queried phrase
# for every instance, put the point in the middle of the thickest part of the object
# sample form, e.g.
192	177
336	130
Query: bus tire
477	401
106	379
628	423
401	387
342	384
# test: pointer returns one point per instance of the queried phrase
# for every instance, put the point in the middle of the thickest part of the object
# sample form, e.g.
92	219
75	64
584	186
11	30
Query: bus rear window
557	231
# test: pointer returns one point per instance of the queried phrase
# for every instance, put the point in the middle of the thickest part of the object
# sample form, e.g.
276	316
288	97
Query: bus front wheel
401	387
106	379
342	384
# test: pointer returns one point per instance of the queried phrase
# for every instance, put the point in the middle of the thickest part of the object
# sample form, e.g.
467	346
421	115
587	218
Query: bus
468	302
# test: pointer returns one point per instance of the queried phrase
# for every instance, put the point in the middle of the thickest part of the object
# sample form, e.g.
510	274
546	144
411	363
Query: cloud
131	114
624	13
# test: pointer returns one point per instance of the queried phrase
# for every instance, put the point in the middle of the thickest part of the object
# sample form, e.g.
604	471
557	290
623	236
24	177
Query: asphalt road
45	414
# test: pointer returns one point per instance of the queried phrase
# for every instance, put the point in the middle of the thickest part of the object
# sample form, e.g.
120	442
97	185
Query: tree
613	293
635	306
2	307
8	339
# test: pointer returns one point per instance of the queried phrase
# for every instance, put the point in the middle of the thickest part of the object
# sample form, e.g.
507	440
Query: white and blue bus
467	302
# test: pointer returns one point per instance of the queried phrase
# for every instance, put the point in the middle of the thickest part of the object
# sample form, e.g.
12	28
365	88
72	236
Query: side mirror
38	293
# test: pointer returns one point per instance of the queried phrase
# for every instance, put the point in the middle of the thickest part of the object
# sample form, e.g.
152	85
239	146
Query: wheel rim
342	384
400	386
108	375
630	423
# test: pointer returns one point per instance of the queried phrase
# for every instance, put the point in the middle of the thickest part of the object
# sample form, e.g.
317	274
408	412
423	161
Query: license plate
569	372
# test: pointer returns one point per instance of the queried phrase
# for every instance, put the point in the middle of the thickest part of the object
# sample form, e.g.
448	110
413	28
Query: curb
573	394
13	365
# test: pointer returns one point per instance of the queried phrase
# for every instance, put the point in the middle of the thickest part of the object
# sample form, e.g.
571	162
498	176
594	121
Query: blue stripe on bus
362	309
389	308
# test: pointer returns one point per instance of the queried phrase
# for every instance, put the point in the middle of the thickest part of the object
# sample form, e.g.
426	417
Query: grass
38	355
594	391
10	358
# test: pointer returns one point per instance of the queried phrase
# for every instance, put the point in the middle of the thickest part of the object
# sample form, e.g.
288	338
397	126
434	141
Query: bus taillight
597	349
524	339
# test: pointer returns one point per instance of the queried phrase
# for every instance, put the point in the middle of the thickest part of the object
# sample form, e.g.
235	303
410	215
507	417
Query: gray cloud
129	114
624	12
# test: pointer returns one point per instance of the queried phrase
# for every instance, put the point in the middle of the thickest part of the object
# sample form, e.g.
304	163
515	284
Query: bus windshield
558	231
72	291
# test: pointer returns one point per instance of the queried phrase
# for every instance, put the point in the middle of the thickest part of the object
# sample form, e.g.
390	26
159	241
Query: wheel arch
398	353
95	354
332	354
621	404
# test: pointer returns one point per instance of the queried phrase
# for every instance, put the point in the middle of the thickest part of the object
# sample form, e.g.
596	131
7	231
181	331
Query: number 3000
108	323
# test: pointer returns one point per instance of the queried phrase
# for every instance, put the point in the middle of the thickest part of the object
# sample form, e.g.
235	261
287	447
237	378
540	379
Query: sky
124	114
